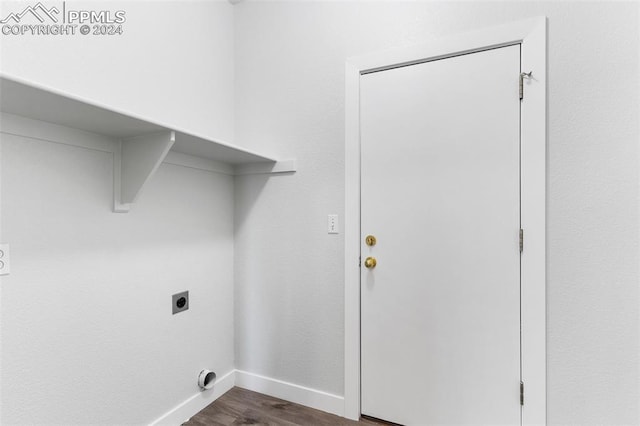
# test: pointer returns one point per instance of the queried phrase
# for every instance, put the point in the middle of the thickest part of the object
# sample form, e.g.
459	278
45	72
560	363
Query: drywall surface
87	330
173	63
290	60
88	335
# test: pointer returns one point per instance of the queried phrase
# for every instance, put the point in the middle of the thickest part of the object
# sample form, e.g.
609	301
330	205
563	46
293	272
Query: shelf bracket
135	162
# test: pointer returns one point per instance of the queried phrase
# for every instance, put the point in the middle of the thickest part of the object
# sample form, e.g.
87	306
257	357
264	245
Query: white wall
87	330
290	100
172	64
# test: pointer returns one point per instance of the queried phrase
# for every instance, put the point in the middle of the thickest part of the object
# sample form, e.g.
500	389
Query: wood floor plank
244	407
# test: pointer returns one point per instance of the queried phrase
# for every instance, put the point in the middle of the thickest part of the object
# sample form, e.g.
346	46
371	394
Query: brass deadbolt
370	240
370	262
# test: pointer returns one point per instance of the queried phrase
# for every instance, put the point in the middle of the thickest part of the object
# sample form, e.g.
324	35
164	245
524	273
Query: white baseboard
313	398
197	402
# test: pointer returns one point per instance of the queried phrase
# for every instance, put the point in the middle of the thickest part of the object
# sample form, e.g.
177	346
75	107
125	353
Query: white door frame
532	35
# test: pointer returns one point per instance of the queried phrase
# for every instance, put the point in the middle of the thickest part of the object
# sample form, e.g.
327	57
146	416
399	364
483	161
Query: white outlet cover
4	259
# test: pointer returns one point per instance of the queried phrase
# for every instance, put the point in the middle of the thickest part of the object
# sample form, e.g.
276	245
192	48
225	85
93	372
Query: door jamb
532	35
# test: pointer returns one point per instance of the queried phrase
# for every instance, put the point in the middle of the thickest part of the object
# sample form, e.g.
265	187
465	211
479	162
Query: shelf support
135	162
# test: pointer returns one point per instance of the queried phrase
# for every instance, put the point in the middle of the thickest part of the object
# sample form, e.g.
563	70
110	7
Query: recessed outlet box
180	302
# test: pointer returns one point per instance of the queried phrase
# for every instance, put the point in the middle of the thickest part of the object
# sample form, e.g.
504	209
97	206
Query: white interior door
440	192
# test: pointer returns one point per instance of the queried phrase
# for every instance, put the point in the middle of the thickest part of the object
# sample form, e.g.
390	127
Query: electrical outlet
333	224
4	259
179	302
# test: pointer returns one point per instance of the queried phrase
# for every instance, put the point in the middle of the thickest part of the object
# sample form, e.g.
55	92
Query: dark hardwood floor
244	407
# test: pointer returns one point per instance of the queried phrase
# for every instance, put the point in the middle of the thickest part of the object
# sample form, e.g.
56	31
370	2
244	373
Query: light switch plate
332	226
4	259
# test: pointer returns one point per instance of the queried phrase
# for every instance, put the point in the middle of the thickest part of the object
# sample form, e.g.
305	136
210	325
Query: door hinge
521	393
522	77
521	239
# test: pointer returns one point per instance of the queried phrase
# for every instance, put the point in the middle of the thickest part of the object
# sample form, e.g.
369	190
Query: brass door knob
370	240
370	262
